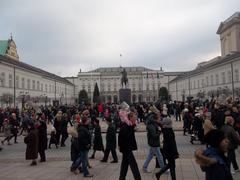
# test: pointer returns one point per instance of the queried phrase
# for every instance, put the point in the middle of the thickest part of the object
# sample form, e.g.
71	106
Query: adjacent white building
22	84
218	76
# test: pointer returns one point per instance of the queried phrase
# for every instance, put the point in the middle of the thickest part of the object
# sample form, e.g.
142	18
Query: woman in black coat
64	132
31	140
127	144
169	148
42	146
97	142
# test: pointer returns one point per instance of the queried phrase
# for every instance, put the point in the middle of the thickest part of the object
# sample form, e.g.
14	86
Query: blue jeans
82	159
154	151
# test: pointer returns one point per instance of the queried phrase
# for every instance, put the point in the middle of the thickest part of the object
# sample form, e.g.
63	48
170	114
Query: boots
162	170
173	174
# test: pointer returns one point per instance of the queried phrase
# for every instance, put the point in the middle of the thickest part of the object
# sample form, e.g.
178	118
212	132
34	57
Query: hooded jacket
153	134
214	164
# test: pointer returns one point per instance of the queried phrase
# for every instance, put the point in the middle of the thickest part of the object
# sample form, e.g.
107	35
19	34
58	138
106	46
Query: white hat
124	105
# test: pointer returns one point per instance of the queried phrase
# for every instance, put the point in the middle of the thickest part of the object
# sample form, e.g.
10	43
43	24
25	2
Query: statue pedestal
125	95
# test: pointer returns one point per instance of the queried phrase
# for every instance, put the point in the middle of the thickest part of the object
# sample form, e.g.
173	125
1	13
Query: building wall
215	79
33	87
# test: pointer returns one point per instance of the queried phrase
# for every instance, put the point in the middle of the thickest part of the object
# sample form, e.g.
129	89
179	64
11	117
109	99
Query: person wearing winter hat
111	142
234	141
170	151
213	160
186	121
127	144
153	137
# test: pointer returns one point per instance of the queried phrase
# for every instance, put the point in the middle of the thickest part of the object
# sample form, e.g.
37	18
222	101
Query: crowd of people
212	123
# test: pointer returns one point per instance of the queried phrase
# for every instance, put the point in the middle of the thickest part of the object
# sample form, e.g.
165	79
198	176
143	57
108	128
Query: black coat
84	137
14	125
111	137
169	144
58	124
74	149
64	124
126	139
98	143
42	134
153	135
32	144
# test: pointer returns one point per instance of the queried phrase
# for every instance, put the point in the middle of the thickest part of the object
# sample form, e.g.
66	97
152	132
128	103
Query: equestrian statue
124	79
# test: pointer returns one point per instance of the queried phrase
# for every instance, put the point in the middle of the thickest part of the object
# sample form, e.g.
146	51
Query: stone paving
13	166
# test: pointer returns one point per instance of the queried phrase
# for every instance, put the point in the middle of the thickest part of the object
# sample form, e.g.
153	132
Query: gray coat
232	136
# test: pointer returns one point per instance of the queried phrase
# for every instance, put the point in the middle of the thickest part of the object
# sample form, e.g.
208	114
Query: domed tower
8	48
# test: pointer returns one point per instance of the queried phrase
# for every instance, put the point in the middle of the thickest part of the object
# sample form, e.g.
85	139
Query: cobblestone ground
13	166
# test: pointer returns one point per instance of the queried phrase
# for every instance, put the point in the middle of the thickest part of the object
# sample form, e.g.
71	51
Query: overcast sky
64	36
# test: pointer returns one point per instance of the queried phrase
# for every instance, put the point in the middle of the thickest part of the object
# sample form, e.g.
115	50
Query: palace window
217	79
10	84
38	85
229	77
211	79
17	82
28	84
2	79
23	83
33	84
236	75
223	78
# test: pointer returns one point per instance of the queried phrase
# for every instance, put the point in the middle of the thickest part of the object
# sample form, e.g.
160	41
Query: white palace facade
143	82
218	77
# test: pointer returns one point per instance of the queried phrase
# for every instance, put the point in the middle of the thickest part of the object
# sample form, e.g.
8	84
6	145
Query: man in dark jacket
153	136
84	144
14	127
234	141
127	144
110	142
